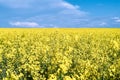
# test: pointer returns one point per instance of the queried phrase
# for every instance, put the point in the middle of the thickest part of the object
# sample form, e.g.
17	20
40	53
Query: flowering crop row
59	54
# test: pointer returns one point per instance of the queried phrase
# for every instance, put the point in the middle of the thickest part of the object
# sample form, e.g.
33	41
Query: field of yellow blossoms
59	54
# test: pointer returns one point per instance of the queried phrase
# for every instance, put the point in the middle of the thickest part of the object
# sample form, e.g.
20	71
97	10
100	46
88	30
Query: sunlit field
60	54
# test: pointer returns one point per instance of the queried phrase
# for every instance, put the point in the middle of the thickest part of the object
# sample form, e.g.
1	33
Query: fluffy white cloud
25	24
116	19
50	13
66	5
57	12
38	4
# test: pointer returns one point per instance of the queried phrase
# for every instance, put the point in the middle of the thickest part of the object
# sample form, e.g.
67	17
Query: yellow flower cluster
59	54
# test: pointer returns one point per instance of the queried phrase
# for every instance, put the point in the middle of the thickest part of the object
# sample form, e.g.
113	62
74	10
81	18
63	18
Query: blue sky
59	13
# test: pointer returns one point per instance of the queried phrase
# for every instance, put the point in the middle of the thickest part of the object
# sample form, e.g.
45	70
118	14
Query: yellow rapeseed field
59	54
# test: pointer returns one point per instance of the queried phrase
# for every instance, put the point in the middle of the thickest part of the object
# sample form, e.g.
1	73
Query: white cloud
116	19
68	5
24	24
56	12
103	24
51	13
38	4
